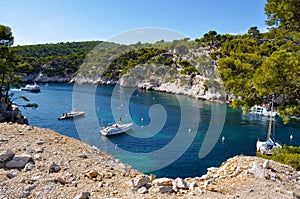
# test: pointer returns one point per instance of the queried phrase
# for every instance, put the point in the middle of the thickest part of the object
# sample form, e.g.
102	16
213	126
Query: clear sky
52	21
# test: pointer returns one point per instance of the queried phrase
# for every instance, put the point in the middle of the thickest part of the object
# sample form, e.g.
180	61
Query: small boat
263	110
71	115
267	146
31	88
116	129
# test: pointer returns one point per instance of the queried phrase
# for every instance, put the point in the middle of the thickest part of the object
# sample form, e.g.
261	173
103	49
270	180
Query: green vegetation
289	155
129	60
12	68
187	68
260	67
283	14
59	59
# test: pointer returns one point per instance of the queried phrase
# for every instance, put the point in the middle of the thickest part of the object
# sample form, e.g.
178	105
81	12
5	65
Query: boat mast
270	123
121	113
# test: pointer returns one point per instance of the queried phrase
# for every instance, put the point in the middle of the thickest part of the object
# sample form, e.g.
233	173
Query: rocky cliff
40	163
203	83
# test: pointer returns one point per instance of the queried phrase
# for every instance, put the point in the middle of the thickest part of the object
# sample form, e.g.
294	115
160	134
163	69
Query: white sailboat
116	128
267	146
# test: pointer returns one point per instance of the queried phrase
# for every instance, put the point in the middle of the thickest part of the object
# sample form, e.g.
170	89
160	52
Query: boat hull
262	110
31	88
71	115
116	129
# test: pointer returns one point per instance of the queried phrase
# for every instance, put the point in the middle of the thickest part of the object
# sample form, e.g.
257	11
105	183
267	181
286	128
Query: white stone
140	181
192	186
257	170
91	173
12	174
28	166
266	164
37	157
142	190
54	167
83	195
163	182
180	183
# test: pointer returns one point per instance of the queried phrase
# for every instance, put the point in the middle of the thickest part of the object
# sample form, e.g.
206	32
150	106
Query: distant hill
59	59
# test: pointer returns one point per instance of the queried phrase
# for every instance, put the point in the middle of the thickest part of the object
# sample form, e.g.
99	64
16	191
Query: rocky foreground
40	163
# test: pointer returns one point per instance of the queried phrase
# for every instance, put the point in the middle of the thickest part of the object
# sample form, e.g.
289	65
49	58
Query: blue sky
52	21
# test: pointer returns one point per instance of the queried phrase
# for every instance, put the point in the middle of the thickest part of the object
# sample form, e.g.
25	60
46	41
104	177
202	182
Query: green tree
253	31
6	38
283	13
11	67
212	38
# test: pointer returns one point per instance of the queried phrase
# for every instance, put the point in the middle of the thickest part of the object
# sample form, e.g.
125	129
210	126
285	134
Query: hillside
61	59
40	163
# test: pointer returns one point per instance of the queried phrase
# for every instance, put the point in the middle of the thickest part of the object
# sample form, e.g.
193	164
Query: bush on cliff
289	155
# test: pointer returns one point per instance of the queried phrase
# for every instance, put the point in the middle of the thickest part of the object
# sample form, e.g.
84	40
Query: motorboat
71	115
116	128
263	110
31	88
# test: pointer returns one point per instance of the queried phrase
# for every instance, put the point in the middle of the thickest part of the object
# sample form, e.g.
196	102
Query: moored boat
265	147
71	115
263	110
31	88
116	129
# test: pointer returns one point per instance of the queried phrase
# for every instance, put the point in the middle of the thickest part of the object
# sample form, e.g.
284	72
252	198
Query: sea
173	135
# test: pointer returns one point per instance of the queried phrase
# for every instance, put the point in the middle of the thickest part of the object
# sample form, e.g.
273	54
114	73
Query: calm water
169	130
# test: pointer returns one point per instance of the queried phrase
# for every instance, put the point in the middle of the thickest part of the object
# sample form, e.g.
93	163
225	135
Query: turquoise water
169	129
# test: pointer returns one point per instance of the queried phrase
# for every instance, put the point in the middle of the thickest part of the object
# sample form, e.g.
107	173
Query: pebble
142	190
54	167
12	174
83	195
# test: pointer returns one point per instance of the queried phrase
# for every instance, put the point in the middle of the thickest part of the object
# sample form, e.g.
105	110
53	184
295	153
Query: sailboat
267	146
116	128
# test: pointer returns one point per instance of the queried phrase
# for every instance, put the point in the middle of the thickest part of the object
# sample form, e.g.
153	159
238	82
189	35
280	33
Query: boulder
83	195
257	171
165	189
54	167
152	177
8	154
192	186
91	173
266	164
142	190
180	183
19	161
163	182
28	166
140	181
12	174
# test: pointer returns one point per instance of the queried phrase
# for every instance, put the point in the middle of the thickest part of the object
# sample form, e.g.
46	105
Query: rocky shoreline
40	163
